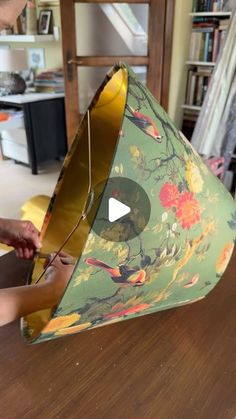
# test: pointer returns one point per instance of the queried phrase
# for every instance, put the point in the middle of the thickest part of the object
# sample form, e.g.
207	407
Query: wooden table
177	364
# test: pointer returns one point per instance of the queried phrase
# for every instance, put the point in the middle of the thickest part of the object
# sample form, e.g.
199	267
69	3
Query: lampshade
13	60
10	62
174	238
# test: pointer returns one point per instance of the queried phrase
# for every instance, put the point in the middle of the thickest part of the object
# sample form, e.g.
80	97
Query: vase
31	18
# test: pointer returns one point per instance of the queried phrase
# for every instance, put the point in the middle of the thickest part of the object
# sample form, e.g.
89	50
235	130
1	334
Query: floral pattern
224	257
187	210
169	195
183	250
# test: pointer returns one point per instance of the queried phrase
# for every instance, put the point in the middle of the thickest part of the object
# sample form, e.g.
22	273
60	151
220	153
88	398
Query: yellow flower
121	253
61	322
106	245
193	177
83	275
135	151
73	329
90	244
224	258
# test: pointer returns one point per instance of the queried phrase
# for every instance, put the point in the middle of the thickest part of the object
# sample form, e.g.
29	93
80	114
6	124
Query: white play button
122	210
117	210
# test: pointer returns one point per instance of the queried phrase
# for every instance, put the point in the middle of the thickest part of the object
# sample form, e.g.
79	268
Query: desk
177	364
44	130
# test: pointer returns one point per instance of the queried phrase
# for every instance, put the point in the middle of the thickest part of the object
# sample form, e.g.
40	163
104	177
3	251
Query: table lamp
10	62
146	222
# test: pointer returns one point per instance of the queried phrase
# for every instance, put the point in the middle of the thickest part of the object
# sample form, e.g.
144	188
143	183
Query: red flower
169	195
188	210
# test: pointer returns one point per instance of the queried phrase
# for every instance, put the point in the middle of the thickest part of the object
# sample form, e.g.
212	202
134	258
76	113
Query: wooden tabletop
177	364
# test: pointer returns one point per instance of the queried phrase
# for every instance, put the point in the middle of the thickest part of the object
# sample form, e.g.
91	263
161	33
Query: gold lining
106	116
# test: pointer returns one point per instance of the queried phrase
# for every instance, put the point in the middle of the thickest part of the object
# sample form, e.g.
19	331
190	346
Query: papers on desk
50	81
11	119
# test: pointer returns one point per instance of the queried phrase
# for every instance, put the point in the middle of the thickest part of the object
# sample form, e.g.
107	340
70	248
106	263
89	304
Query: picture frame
45	19
36	58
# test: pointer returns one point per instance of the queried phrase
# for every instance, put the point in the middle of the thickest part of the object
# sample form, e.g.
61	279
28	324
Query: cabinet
208	33
36	131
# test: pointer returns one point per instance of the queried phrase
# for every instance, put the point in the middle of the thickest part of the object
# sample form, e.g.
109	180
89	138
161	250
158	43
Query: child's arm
22	235
20	301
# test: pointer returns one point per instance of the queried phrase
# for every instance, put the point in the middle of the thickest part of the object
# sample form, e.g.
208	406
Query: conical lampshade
172	228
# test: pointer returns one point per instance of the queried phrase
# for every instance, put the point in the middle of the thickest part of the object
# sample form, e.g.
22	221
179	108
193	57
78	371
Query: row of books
206	39
50	81
211	6
198	81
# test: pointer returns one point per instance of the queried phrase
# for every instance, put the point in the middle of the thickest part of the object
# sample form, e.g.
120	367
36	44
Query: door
97	34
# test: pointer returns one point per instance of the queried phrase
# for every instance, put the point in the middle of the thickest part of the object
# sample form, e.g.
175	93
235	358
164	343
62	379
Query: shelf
203	63
48	3
27	38
191	107
210	14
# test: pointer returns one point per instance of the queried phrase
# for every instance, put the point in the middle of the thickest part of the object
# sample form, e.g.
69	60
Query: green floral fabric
184	249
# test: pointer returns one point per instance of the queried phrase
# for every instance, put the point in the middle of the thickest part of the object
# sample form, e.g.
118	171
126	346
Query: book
199	90
206	46
215	49
197	83
192	89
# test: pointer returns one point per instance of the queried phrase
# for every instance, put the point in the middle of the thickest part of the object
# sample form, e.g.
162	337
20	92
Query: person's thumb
33	238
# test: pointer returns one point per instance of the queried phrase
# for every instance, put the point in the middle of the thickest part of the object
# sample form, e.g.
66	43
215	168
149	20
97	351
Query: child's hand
58	274
22	235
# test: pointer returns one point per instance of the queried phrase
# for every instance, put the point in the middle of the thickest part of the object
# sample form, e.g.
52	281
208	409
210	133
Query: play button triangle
117	210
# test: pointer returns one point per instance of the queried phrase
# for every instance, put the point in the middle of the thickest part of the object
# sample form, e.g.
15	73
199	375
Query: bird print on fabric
123	274
144	123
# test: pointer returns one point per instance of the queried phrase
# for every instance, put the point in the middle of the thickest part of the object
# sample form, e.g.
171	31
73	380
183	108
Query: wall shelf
210	14
27	38
204	63
191	107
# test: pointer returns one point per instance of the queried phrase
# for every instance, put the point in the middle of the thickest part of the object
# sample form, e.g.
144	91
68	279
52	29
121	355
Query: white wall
181	38
52	50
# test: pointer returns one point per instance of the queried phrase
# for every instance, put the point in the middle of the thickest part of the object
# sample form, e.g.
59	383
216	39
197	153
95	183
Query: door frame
158	60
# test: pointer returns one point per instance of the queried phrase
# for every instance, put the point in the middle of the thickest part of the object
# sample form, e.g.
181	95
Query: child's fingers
64	254
68	260
19	252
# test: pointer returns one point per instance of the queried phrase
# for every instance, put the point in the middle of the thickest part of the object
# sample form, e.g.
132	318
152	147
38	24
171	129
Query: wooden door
157	60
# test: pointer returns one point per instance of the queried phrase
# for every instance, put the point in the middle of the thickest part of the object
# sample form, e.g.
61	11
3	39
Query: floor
17	185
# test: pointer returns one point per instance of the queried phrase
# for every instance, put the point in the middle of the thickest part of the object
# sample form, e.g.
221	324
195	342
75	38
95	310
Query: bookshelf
209	25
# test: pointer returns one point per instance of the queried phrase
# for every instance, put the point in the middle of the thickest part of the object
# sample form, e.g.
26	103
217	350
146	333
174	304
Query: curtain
210	129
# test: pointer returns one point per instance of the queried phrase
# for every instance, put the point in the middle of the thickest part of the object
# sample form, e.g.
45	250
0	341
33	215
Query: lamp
11	61
148	223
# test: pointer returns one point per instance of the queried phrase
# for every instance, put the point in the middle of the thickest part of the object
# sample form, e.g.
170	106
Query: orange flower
169	195
224	258
188	210
73	329
128	311
61	322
